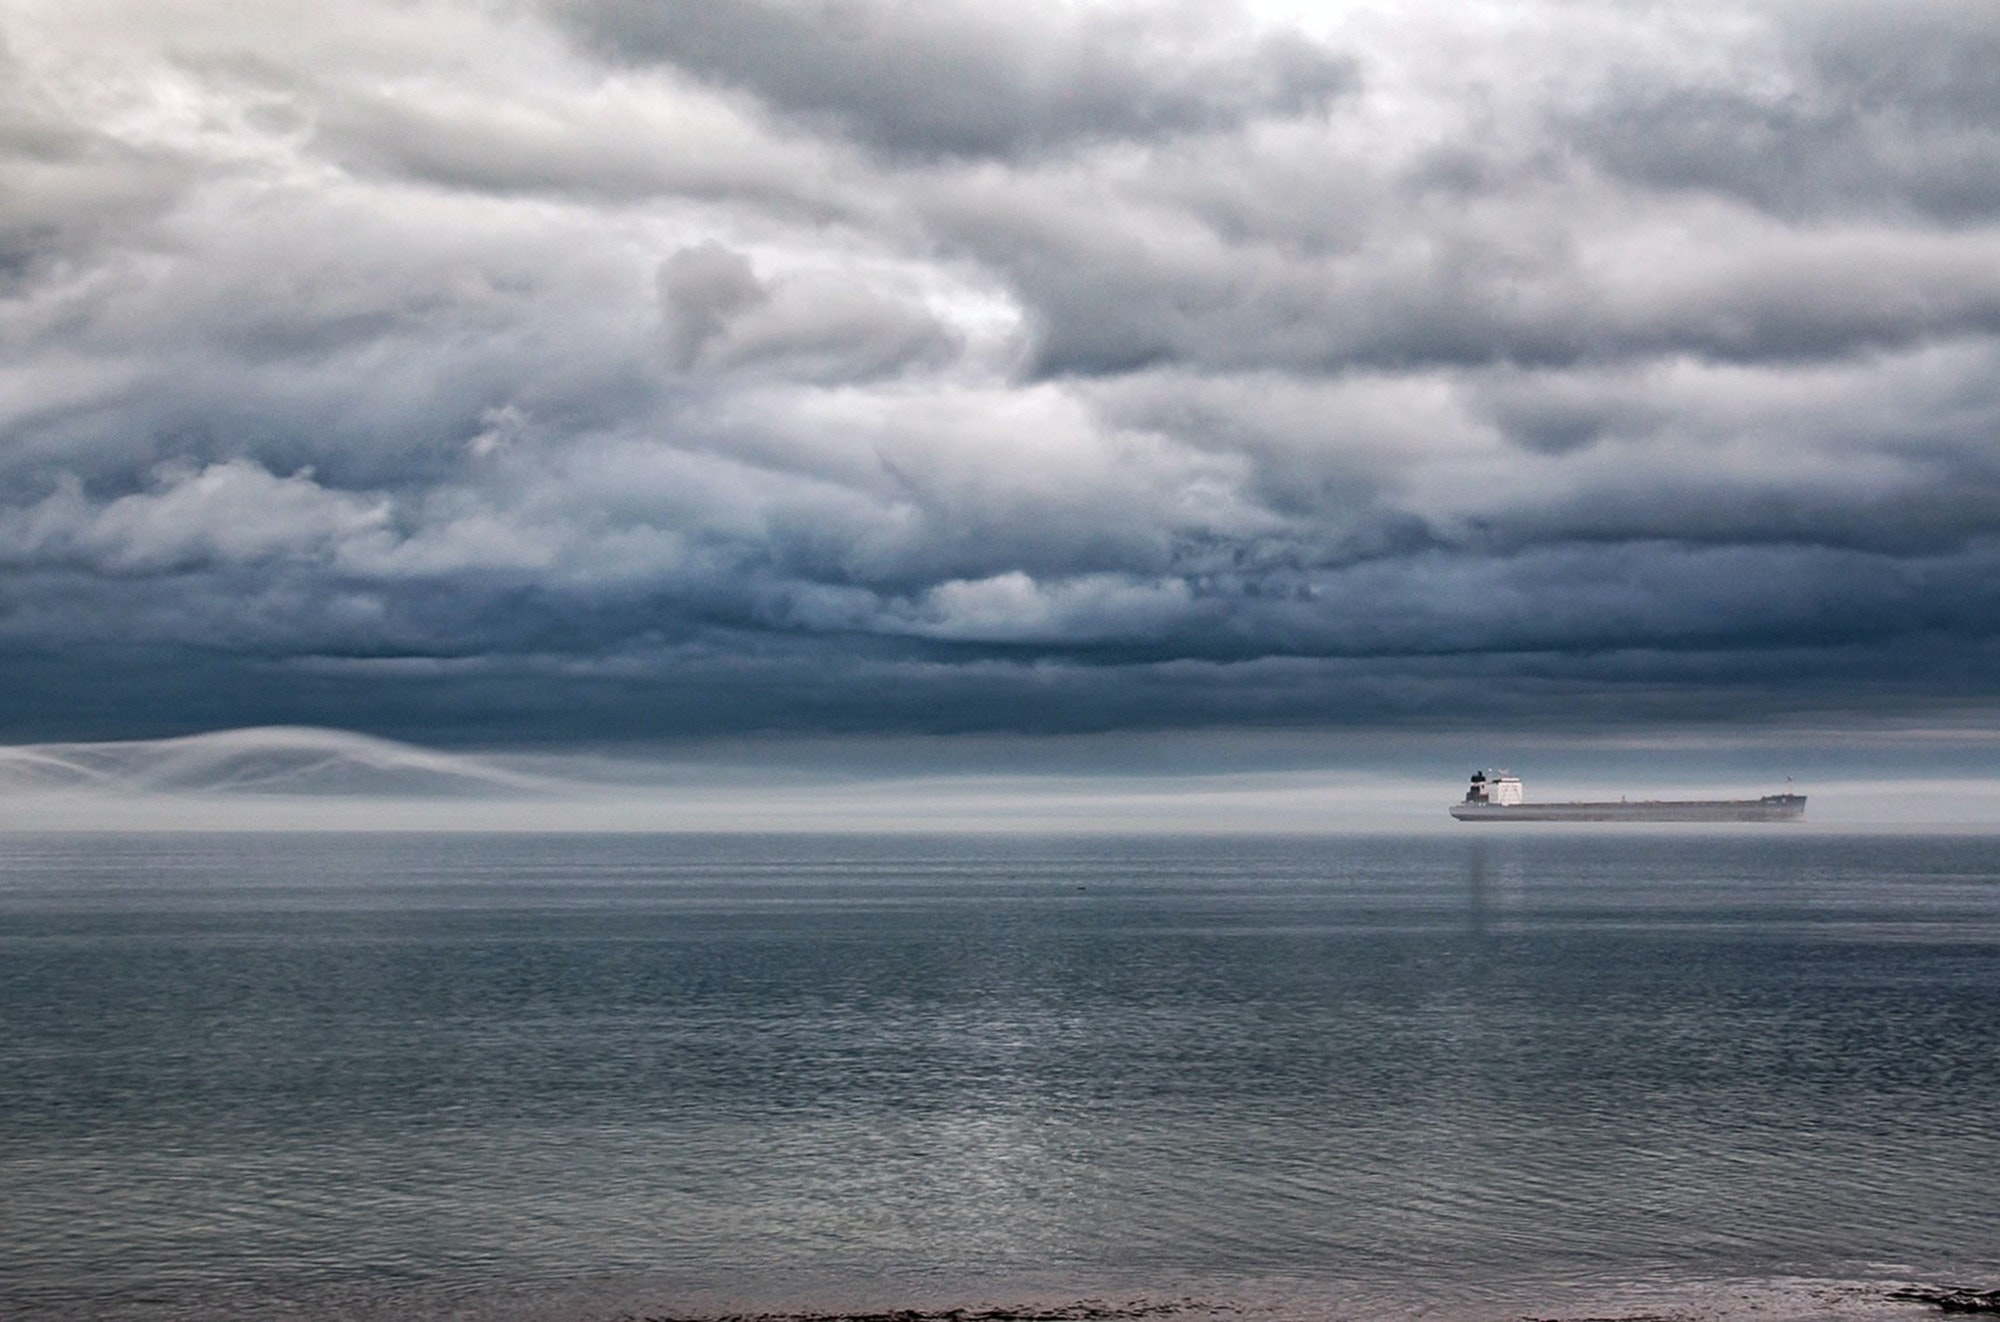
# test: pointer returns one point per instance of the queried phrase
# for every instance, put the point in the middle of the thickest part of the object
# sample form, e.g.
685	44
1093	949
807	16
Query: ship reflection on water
1475	889
1496	889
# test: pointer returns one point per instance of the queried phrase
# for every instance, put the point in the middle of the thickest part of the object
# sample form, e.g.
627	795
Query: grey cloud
1560	233
754	686
719	316
1933	61
69	186
701	288
1927	520
1798	158
321	572
361	339
957	79
1882	110
231	513
1559	417
1117	286
620	146
1896	456
604	389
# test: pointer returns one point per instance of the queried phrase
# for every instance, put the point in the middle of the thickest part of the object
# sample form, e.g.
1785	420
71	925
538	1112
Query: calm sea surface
564	1077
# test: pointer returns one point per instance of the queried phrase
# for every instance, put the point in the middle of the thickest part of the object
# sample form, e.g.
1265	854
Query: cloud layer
1231	782
604	369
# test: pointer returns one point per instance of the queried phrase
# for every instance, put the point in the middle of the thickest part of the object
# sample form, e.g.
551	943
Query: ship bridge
1498	787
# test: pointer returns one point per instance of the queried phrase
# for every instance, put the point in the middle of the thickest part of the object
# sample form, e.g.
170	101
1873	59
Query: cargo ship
1496	796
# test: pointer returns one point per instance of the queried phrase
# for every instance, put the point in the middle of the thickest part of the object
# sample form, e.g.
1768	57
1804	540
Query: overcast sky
532	374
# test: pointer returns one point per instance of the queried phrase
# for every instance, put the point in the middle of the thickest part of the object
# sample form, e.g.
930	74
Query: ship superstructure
1497	796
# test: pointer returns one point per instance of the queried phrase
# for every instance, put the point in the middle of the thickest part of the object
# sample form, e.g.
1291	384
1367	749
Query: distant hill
278	760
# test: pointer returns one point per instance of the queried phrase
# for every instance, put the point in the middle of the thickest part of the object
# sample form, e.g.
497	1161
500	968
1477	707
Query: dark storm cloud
644	369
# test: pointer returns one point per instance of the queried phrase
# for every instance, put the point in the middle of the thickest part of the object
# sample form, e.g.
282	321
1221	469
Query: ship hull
1771	808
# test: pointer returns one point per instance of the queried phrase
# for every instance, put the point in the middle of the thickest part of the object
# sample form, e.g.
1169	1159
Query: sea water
1493	1075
